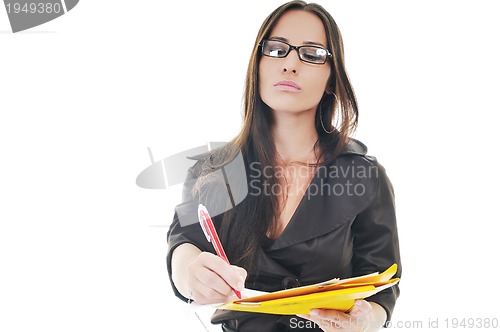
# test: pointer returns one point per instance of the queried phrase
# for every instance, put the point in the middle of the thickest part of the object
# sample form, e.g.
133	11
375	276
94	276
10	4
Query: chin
291	109
281	105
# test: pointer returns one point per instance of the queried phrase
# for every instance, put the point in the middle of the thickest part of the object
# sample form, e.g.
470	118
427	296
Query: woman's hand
211	279
333	320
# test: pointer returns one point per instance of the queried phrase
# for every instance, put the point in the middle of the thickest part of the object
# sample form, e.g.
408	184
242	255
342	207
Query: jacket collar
355	147
313	208
352	147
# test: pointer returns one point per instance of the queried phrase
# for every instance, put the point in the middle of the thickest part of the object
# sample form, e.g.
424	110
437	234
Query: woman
317	206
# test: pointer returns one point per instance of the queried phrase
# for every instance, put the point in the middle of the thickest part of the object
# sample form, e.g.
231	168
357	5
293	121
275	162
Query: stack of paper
332	294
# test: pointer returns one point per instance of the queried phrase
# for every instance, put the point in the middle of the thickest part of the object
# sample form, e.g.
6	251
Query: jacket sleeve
376	244
187	231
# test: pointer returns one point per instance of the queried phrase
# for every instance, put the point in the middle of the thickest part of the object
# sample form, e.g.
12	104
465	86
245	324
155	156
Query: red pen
209	229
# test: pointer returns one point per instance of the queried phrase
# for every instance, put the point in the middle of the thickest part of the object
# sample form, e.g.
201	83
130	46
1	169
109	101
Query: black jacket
344	226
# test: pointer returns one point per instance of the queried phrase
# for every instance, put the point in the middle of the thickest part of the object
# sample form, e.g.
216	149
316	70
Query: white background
82	248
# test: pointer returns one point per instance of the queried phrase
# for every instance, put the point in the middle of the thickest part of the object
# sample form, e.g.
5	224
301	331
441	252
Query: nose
291	61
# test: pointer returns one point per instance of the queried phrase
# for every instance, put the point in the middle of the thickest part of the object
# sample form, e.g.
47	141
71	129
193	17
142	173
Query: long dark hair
245	227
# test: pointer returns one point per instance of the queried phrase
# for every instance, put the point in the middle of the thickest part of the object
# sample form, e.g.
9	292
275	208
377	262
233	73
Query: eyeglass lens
279	49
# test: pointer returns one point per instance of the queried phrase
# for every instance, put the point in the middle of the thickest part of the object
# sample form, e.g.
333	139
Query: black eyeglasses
307	53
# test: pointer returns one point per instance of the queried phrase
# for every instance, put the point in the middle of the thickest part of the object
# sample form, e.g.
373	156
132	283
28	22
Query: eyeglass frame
292	47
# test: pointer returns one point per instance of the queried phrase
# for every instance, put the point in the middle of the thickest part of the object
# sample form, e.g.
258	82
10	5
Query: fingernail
314	312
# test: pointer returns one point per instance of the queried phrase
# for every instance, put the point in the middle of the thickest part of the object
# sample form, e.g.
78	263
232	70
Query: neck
294	136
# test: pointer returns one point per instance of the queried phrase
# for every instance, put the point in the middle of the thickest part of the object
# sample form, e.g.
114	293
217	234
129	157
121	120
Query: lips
290	86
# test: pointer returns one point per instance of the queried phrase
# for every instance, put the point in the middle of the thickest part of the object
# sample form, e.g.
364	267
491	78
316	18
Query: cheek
319	83
264	78
263	71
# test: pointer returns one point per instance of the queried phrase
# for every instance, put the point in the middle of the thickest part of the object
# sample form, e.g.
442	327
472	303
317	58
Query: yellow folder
338	294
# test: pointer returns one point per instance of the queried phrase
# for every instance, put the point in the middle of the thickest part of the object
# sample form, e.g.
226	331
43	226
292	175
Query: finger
208	287
329	314
210	284
330	319
329	323
205	295
241	271
233	277
361	309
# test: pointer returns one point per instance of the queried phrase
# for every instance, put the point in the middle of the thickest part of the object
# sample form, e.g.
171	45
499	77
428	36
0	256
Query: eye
277	52
315	54
275	48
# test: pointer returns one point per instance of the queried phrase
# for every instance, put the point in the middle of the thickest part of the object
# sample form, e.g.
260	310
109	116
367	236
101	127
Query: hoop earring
321	116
